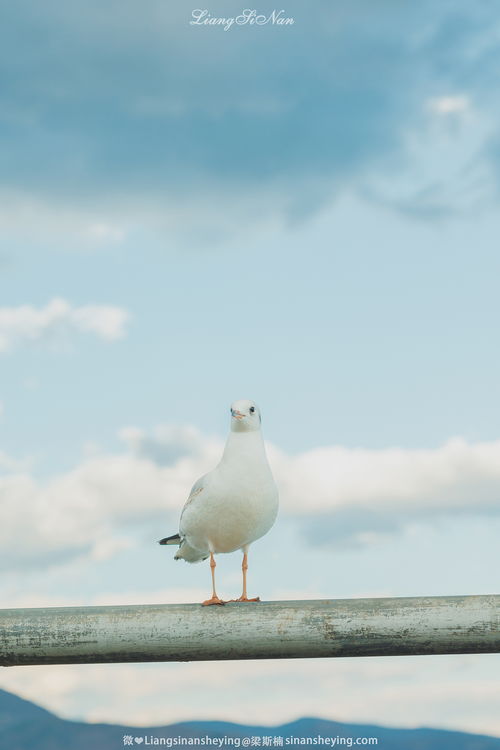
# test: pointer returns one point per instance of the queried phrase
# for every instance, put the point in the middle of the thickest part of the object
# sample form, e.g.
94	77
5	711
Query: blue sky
306	216
370	333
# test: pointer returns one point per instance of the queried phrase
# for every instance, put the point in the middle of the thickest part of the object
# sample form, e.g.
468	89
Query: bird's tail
174	539
185	552
190	554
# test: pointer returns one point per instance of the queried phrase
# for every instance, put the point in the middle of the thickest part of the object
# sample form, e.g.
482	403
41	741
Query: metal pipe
265	630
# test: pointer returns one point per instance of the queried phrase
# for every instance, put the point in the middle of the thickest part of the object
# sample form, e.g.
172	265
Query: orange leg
215	599
244	568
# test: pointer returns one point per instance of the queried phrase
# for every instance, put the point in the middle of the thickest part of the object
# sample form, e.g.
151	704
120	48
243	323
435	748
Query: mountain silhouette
26	726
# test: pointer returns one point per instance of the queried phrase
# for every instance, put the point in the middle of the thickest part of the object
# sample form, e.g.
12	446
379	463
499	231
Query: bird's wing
196	491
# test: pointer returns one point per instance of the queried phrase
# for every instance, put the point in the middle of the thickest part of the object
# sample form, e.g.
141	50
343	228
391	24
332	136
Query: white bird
233	505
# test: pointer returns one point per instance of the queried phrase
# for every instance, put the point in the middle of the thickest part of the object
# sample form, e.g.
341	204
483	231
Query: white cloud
347	494
91	509
26	216
104	320
457	475
26	323
166	443
356	495
102	232
449	105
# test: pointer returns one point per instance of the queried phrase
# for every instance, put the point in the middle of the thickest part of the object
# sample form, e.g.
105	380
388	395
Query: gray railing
266	630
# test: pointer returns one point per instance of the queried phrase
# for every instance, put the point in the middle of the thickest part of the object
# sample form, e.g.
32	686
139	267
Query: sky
304	215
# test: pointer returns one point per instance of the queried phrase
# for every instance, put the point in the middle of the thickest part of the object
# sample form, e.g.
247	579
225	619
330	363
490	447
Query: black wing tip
174	539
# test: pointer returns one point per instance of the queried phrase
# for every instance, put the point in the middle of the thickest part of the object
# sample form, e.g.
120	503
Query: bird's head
245	416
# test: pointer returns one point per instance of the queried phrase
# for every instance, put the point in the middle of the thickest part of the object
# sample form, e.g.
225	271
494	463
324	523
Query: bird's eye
252	409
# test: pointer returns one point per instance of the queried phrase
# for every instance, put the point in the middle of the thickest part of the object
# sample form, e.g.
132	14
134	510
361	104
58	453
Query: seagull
234	504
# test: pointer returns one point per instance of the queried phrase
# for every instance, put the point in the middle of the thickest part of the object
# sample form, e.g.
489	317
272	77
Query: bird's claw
213	600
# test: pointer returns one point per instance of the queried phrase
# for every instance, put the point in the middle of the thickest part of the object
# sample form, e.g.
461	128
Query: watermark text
247	17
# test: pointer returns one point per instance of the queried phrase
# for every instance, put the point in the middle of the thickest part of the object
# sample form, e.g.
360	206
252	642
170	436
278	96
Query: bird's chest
246	488
241	510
